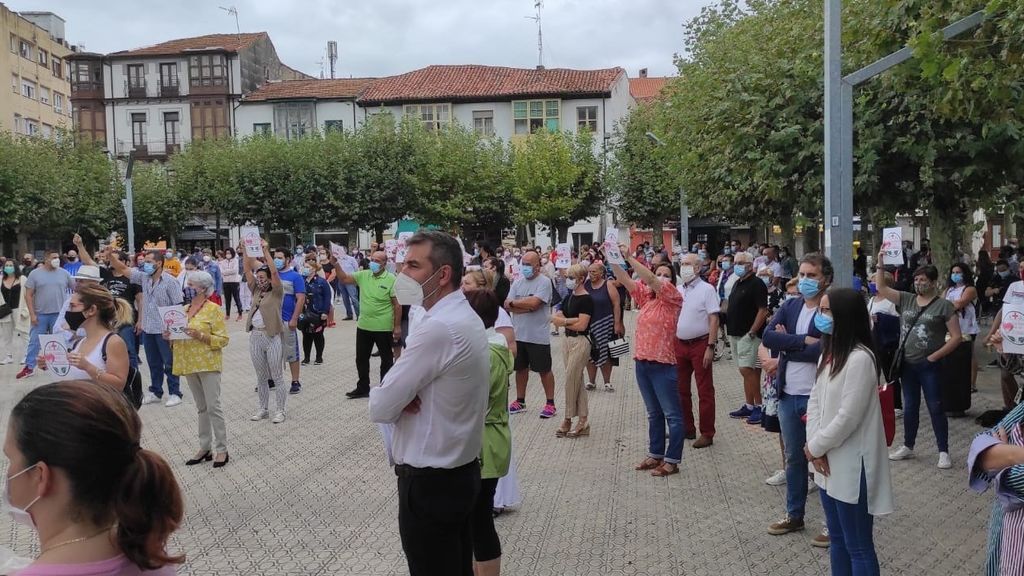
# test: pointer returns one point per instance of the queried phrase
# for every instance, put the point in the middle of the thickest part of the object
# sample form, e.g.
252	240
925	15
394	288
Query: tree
543	173
160	209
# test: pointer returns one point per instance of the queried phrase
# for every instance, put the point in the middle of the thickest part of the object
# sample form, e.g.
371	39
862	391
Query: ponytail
123	315
148	508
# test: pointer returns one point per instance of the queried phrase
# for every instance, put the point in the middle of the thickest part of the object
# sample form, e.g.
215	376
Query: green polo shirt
375	311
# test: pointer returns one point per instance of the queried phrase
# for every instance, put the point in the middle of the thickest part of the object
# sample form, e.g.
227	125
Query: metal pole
684	222
129	210
838	200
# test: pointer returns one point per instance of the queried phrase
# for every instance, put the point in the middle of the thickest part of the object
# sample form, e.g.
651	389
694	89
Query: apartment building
36	64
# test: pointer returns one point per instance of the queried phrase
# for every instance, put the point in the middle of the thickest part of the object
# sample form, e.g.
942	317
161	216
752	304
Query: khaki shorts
744	350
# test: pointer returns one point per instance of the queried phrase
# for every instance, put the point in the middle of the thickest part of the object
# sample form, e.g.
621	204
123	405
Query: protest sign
611	248
54	349
175	321
563	256
892	247
252	241
1012	329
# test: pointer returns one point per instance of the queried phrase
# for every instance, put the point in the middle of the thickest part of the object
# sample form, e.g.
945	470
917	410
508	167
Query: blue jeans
351	299
127	333
160	360
43	326
794	436
660	392
918	377
849	526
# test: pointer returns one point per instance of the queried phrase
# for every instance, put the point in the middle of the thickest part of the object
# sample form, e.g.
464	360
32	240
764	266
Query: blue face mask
1004	274
375	267
727	251
306	270
808	287
872	288
739	269
702	255
726	265
767	281
148	268
823	323
527	271
279	263
956	277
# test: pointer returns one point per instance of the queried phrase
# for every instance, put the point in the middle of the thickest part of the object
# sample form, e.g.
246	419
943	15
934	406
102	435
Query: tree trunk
552	233
657	233
378	232
786	224
811	243
563	234
531	234
943	236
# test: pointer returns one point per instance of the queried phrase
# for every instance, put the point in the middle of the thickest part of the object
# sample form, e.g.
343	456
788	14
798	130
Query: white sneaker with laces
899	413
777	479
260	415
608	387
9	359
172	401
150	398
903	453
944	461
278	418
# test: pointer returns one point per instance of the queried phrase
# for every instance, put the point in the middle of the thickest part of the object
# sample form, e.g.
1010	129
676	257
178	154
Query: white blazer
844	422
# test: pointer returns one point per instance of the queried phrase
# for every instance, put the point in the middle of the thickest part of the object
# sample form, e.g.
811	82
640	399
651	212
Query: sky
384	37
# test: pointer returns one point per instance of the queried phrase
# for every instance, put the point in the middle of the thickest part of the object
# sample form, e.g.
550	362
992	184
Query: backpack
133	383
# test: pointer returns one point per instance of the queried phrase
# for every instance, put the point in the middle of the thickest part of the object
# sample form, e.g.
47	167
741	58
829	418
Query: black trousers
231	291
308	340
365	341
486	544
435	509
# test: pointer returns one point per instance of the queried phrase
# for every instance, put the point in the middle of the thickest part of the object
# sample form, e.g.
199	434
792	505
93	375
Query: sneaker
777	479
743	412
903	453
260	415
296	388
591	386
150	398
318	362
305	362
358	393
786	526
516	407
7	360
26	372
821	540
755	415
608	387
899	413
944	462
172	401
548	411
278	418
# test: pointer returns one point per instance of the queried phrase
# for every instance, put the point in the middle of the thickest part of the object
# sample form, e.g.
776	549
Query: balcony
169	87
87	90
135	87
208	86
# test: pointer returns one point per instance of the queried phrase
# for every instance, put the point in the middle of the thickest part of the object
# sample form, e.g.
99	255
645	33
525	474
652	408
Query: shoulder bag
133	383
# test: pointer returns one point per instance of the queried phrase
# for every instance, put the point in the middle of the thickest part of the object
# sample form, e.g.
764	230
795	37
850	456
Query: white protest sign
337	251
611	248
252	241
563	256
403	237
175	321
390	247
892	246
54	350
1012	329
513	270
466	256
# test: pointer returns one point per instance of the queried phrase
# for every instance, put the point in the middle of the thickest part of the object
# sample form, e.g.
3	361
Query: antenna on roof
332	55
538	4
234	12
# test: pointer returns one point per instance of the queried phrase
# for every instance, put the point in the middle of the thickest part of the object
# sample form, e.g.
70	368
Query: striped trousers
267	360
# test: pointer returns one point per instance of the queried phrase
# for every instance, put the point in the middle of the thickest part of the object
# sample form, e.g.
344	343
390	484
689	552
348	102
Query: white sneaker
150	398
903	453
9	359
899	413
278	418
608	387
172	401
944	462
260	415
777	479
591	386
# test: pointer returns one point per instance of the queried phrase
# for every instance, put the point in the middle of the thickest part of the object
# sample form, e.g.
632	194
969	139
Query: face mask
206	258
279	263
263	284
570	283
1004	274
767	281
56	263
686	274
872	288
727	251
72	258
527	271
956	277
726	265
923	289
739	269
702	255
823	323
792	296
19	515
8	269
409	292
375	267
169	255
306	271
809	287
74	319
148	268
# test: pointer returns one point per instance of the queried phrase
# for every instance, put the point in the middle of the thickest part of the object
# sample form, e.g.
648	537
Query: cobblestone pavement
314	496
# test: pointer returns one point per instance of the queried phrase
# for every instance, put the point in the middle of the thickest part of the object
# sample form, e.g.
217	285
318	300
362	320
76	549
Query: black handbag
133	383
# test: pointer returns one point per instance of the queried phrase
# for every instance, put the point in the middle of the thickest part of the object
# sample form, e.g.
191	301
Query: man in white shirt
696	331
436	397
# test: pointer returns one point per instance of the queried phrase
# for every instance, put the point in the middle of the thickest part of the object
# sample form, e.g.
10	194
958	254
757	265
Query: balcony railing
169	86
135	87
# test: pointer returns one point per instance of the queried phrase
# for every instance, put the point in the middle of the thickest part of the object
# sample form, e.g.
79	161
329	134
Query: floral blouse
656	324
192	356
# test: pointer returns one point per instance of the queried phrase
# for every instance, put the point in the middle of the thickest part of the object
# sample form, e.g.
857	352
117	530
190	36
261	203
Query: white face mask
686	274
55	262
409	292
19	515
570	283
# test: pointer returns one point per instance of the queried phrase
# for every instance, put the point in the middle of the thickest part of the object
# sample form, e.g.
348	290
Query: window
44	95
86	72
293	120
208	70
25	49
31	127
483	122
533	115
432	116
586	118
14	43
15	83
47	131
136	76
58	102
335	125
44	58
138	129
28	89
90	122
209	119
67	70
169	75
57	66
172	129
261	129
18	129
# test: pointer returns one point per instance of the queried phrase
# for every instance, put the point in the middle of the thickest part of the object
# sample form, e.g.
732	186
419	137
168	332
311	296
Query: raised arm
888	293
82	252
343	277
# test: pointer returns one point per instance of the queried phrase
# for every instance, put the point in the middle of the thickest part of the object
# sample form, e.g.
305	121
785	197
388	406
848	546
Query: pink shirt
656	324
117	566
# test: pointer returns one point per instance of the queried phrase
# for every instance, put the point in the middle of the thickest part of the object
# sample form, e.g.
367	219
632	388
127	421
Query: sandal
664	470
583	430
564	429
649	464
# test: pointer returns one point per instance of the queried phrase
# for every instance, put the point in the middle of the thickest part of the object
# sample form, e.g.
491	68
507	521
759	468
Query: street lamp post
129	203
684	215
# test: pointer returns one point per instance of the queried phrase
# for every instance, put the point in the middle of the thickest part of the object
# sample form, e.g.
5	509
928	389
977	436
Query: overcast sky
382	37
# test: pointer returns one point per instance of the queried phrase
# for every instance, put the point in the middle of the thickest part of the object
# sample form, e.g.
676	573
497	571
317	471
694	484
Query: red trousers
690	361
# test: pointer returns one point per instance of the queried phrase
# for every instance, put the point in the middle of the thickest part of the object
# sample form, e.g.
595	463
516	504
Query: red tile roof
479	83
341	88
646	89
228	42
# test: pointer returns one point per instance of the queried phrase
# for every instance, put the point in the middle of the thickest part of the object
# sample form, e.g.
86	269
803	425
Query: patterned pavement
314	495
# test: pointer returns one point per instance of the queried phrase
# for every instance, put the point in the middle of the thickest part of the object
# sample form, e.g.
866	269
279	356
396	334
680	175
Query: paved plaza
314	495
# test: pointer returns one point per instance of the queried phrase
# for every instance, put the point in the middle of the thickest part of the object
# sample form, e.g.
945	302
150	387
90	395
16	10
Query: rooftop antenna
234	12
540	35
332	55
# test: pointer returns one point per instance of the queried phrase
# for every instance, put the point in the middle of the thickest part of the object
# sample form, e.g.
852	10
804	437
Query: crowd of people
450	327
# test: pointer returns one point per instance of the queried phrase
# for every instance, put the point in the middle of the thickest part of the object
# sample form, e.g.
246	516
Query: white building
293	108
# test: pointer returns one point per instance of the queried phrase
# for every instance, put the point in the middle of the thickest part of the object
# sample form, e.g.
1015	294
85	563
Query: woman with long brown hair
100	503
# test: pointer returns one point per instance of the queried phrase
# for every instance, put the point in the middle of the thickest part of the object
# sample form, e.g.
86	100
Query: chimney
540	67
643	72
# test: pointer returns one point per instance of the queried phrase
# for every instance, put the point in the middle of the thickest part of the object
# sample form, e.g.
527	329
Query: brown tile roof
229	42
646	89
477	83
340	88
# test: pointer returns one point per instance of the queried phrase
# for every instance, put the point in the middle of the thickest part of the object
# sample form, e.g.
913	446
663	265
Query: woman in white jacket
845	437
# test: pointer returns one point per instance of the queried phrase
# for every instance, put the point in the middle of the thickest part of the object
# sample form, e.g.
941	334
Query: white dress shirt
700	300
446	363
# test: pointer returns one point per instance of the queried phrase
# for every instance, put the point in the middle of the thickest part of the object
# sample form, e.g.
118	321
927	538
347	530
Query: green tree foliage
543	174
160	209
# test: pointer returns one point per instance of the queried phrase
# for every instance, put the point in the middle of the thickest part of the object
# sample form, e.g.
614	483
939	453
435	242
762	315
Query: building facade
36	65
291	109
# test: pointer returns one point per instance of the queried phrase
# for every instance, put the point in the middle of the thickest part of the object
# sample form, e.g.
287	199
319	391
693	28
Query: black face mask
74	319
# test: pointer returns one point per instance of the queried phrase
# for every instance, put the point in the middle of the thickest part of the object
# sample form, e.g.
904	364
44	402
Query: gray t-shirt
532	327
929	333
51	288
